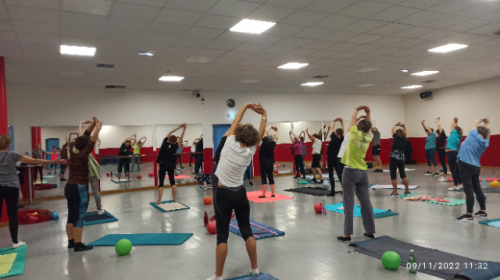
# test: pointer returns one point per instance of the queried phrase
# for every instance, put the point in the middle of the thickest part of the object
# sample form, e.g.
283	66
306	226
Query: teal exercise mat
377	213
138	239
490	190
491	223
48	176
164	208
262	276
120	182
93	218
16	267
453	202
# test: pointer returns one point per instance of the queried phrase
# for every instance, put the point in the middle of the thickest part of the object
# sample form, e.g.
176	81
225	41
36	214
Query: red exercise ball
108	174
139	176
212	228
150	174
207	200
318	208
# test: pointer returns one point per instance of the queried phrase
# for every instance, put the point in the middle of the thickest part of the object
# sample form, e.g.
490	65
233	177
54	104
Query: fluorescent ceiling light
448	48
252	26
366	85
171	79
411	87
146	53
425	73
312	84
75	50
200	59
248	81
366	69
403	70
293	65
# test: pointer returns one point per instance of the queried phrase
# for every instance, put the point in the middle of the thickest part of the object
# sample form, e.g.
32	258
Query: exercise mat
260	231
93	218
377	213
317	191
144	239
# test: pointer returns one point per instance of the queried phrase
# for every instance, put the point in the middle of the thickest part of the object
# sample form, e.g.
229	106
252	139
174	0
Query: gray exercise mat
433	259
491	190
317	191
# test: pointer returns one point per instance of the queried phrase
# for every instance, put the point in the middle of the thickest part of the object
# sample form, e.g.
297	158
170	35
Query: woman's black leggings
191	158
267	171
470	174
299	165
394	166
452	161
11	196
442	159
227	200
331	164
340	169
171	173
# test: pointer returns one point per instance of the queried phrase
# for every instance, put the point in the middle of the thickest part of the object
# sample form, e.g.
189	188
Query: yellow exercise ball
494	184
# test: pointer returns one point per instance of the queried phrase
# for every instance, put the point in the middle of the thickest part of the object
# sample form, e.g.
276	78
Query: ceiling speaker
425	94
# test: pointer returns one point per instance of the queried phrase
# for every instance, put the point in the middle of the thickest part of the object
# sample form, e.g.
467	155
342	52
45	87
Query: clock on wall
230	103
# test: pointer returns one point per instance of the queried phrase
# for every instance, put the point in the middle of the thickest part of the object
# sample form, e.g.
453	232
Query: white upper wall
57	106
193	131
467	102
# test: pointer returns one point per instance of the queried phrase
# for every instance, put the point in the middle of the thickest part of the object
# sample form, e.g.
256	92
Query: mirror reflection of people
55	155
124	163
266	159
193	155
452	147
235	157
178	157
64	155
376	149
9	184
430	150
199	157
299	158
38	154
316	155
397	156
336	139
136	160
441	150
166	159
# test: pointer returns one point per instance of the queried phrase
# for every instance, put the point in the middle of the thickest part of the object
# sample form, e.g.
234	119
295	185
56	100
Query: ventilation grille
104	65
429	81
320	77
115	86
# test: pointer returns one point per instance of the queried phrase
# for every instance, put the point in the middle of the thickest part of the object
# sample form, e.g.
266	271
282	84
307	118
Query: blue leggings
430	154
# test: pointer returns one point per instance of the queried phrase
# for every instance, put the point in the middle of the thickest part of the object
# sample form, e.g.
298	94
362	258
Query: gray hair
270	137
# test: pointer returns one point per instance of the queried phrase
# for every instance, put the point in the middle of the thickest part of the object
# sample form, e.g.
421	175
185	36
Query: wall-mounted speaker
425	94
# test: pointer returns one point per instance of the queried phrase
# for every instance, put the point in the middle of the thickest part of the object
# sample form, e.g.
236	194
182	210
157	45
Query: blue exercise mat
144	239
92	218
262	276
491	223
18	265
120	182
377	213
165	202
259	230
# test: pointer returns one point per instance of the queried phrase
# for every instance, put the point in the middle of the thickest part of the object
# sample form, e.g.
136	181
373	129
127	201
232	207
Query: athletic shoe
371	236
71	244
481	215
18	244
380	171
100	212
62	180
344	239
376	170
262	196
55	173
297	176
273	195
80	247
407	193
453	188
460	186
304	177
465	218
442	179
437	174
331	194
202	188
250	183
215	278
255	272
394	195
428	173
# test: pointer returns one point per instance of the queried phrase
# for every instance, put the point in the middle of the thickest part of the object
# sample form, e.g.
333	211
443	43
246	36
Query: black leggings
198	163
215	184
227	200
178	159
394	165
442	159
452	161
11	196
171	173
39	169
299	165
340	169
267	170
332	163
123	164
77	197
191	158
470	174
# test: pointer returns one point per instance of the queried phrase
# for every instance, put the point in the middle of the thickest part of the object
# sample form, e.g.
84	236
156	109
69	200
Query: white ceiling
336	37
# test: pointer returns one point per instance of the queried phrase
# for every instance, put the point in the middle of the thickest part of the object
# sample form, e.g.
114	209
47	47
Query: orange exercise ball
494	184
207	200
212	228
139	176
150	174
318	208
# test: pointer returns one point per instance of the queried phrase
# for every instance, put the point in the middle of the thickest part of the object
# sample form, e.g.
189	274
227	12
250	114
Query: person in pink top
55	155
297	152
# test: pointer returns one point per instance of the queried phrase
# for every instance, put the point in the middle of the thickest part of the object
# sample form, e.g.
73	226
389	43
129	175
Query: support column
4	124
36	137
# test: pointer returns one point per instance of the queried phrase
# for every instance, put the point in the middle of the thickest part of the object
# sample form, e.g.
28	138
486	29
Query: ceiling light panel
425	73
312	84
171	79
448	48
293	65
366	85
364	70
200	59
144	53
411	87
75	50
252	26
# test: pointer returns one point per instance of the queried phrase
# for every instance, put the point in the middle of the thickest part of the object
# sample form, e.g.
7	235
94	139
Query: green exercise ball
123	247
391	260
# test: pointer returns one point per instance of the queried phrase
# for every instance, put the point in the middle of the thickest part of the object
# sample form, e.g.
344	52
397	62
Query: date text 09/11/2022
448	265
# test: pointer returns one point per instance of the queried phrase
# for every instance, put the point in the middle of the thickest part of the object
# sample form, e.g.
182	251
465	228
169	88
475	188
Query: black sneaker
437	174
331	194
376	170
250	183
380	171
71	244
62	180
298	176
465	218
80	247
344	239
428	173
303	177
371	236
481	215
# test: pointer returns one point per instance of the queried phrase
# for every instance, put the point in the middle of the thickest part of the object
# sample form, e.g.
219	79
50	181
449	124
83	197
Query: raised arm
439	128
257	108
354	118
174	130
330	130
426	127
28	160
394	128
454	123
133	140
179	141
238	118
96	126
143	142
486	122
295	138
403	125
267	131
310	136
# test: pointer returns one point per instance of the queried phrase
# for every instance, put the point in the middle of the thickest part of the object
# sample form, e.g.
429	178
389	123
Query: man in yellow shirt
355	178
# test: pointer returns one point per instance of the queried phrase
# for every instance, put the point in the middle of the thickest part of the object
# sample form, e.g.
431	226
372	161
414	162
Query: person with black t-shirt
336	140
198	157
123	163
167	160
266	159
397	156
441	150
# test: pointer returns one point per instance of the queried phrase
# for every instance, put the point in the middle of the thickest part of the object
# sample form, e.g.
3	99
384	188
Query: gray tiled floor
309	249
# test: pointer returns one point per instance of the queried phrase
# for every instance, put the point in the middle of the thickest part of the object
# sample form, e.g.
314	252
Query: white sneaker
442	179
215	278
255	272
100	212
19	244
460	186
453	188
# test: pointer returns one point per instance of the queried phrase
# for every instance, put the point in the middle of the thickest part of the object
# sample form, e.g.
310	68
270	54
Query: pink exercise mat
480	179
180	176
254	197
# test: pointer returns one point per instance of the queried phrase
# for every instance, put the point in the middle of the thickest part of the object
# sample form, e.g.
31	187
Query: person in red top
76	190
64	155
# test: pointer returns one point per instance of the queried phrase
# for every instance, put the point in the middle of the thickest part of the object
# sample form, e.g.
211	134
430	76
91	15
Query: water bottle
412	262
206	218
484	182
323	207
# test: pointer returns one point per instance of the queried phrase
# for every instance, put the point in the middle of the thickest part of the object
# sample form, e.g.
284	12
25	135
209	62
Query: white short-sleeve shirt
234	160
316	147
343	147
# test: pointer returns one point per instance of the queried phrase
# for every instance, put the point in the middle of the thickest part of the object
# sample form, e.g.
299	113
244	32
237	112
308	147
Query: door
11	134
49	143
218	132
